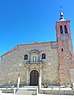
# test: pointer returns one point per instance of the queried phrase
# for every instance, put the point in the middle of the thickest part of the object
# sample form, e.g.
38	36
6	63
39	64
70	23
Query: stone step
25	91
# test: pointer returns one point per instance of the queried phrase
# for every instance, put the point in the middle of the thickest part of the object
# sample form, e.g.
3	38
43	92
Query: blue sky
28	21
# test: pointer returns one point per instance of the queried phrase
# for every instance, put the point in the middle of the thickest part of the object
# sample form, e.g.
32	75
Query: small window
61	29
62	49
26	57
43	56
65	29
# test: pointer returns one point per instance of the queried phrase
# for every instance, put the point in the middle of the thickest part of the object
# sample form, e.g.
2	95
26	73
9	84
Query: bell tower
64	41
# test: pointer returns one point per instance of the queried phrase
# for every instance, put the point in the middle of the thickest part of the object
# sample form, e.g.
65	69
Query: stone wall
13	64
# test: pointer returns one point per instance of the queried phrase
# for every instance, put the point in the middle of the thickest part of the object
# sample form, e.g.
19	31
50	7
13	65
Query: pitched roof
8	52
35	43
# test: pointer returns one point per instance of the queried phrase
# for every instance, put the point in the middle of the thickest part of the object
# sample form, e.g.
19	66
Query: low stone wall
7	90
36	90
57	92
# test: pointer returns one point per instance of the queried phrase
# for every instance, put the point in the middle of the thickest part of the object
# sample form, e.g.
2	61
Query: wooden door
34	78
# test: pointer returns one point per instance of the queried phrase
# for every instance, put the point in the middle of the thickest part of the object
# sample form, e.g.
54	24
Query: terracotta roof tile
37	43
28	44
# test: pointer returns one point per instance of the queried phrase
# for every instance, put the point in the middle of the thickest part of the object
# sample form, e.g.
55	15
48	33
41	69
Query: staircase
27	91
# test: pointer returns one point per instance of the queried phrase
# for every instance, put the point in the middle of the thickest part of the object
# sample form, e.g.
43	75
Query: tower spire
61	14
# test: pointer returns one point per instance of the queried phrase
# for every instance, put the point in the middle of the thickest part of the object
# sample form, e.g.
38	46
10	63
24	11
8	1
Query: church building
52	62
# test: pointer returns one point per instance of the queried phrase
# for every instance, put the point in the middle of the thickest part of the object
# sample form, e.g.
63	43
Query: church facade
51	61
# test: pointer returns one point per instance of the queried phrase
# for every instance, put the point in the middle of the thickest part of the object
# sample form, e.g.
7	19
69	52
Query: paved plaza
35	97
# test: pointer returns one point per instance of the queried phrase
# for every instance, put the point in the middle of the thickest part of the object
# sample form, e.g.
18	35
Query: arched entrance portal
34	78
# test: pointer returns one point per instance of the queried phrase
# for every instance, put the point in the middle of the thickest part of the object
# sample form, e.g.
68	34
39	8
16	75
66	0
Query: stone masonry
10	64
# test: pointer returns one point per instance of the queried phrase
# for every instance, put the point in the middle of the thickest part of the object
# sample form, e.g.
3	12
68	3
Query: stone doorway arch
34	78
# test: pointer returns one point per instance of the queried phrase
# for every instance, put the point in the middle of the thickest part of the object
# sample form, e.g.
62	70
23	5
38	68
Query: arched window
65	29
43	56
62	49
26	57
61	29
